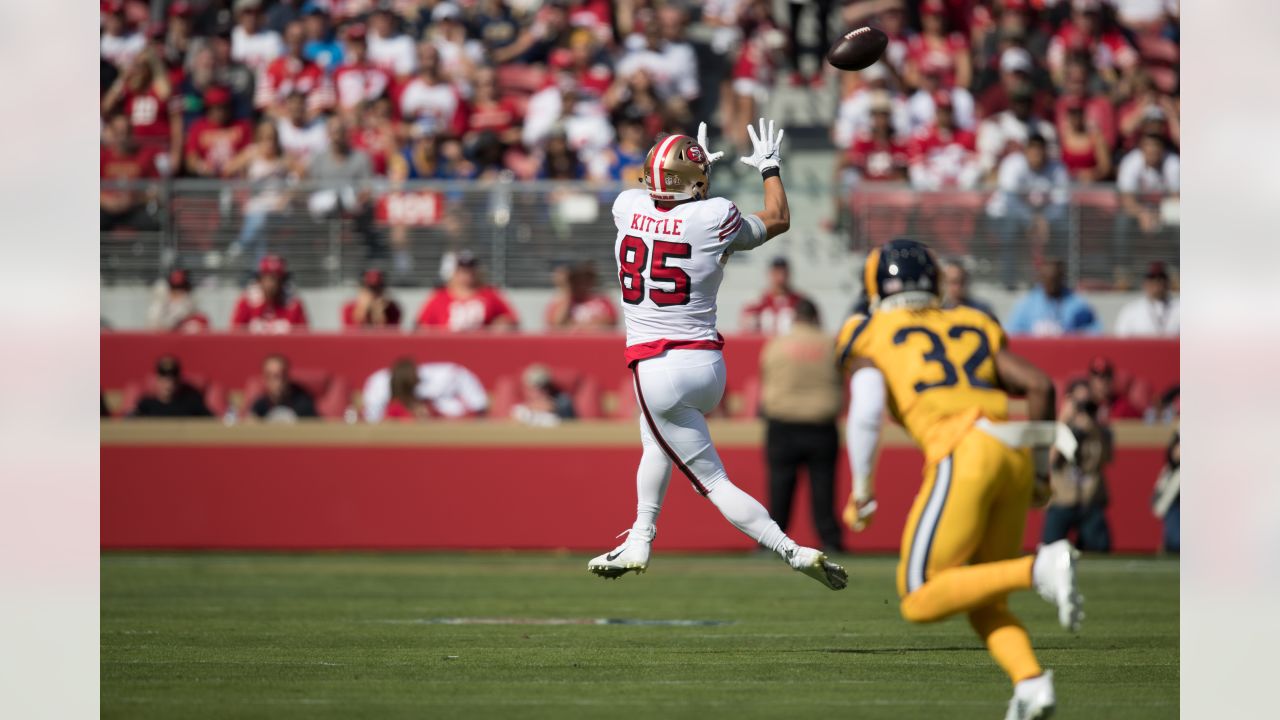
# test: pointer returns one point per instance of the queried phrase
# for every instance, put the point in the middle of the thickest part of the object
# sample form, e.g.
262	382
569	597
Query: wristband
770	172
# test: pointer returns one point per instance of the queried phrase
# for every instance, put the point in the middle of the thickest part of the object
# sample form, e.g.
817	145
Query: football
858	49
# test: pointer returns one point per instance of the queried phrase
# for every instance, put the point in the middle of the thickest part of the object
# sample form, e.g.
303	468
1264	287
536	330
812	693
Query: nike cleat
815	564
1033	699
1054	576
631	556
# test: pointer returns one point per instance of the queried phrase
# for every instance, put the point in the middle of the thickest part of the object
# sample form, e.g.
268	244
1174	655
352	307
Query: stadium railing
520	229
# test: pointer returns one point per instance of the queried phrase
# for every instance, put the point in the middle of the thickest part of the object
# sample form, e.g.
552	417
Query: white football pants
675	390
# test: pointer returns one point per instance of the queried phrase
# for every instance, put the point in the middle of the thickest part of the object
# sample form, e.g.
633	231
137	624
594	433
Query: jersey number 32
636	271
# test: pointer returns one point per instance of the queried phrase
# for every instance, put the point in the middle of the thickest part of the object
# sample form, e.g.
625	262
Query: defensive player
948	376
673	240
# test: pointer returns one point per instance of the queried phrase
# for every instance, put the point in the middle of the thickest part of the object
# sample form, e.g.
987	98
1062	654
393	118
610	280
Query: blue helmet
900	266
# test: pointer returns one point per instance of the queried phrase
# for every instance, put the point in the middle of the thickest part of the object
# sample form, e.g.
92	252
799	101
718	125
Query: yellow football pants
962	546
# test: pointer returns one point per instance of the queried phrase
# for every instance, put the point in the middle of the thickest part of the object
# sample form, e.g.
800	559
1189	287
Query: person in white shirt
300	138
1009	130
921	106
393	51
853	117
665	56
1147	180
429	100
119	44
1155	314
451	390
252	44
672	243
1030	204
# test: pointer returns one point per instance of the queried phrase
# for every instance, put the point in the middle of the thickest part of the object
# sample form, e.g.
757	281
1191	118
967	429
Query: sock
966	588
748	515
652	478
1006	640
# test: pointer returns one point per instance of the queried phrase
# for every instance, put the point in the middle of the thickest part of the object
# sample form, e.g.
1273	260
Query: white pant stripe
922	541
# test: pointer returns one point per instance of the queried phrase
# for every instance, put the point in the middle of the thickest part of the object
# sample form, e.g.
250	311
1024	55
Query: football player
946	375
673	240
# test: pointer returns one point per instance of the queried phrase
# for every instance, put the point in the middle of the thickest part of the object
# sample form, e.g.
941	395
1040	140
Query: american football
858	49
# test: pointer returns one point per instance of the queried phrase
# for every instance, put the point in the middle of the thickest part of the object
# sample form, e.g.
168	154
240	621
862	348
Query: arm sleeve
751	234
862	431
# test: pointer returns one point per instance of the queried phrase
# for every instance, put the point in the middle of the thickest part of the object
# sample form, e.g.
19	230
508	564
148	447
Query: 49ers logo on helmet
695	154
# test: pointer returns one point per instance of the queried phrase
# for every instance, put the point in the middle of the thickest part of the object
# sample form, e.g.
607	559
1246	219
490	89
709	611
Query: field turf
361	635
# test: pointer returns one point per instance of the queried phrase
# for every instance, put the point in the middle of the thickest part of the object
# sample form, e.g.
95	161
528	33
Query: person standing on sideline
800	400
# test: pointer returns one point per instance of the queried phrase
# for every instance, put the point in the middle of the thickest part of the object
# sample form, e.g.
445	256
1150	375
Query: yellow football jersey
938	366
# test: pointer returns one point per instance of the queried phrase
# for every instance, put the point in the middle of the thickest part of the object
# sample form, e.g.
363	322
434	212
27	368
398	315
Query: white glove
766	147
702	140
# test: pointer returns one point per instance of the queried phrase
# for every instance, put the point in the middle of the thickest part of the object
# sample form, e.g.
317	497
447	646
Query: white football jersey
670	264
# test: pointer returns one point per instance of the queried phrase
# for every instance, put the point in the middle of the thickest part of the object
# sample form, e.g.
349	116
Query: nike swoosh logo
613	557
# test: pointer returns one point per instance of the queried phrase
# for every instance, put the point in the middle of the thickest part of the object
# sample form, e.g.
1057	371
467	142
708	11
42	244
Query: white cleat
1054	576
815	564
631	556
1033	699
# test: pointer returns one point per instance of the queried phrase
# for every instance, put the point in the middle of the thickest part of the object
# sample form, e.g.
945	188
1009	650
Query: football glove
712	157
766	147
858	515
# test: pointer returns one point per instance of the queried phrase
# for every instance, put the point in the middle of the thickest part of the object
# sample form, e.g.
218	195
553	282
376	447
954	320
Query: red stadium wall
312	496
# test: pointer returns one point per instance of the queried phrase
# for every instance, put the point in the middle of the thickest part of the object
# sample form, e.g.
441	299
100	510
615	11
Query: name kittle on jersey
657	226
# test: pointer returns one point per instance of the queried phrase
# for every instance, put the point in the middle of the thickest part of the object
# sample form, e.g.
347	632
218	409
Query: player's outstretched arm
867	395
765	157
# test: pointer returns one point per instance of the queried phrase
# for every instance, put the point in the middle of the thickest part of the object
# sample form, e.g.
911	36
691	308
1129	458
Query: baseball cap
356	31
180	9
1157	269
466	258
374	279
1015	59
168	366
272	265
445	11
779	262
216	96
1099	365
179	279
932	7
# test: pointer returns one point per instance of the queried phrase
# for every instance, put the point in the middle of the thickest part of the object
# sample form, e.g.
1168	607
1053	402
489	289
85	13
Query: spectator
878	155
955	289
488	112
389	48
290	74
800	398
142	93
625	160
266	307
301	136
796	50
251	42
1084	147
1083	87
268	171
207	72
377	134
937	49
665	54
282	400
1165	500
1017	27
172	397
174	308
588	64
119	43
429	100
1110	404
559	161
1010	130
320	46
405	403
1017	73
283	14
941	155
1110	52
1148	177
342	175
446	389
122	166
1155	314
1051	309
853	118
357	80
216	139
577	304
549	30
178	39
459	55
544	403
1030	203
1079	485
753	72
464	304
773	313
371	308
923	104
1148	111
1166	409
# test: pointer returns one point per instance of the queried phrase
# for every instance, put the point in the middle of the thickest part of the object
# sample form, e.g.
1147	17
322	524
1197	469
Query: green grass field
359	635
